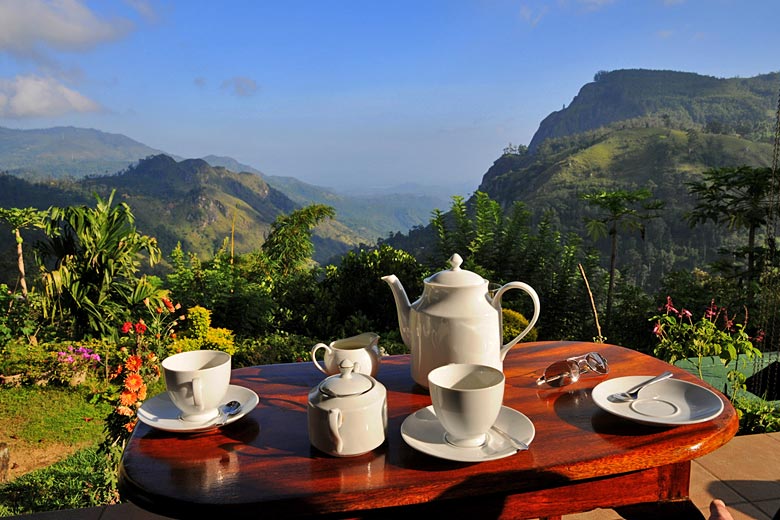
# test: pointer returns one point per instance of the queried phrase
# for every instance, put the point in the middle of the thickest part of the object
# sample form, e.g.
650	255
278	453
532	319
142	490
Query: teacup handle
335	420
497	304
197	392
313	357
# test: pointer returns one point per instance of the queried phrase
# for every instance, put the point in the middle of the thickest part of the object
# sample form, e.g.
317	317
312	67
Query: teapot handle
335	420
497	304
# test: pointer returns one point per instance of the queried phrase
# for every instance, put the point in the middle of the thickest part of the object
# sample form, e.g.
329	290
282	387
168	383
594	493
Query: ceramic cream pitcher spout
455	320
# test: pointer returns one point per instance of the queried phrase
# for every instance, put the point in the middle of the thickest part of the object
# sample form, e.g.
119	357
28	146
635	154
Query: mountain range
627	129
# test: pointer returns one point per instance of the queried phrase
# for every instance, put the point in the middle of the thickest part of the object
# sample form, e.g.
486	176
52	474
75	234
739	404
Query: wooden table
582	458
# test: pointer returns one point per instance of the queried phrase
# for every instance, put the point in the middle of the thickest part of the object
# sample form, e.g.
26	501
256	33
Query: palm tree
18	219
620	209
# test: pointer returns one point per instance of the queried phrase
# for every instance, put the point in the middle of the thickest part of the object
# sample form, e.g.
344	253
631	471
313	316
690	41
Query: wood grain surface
581	458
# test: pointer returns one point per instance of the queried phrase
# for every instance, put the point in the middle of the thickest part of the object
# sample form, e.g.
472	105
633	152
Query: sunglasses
569	370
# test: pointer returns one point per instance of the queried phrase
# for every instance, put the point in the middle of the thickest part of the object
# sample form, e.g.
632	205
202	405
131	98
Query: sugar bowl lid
347	383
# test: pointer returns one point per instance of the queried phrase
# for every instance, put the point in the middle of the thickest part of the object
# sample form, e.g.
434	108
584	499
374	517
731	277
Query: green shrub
281	347
218	338
514	324
198	322
757	415
183	345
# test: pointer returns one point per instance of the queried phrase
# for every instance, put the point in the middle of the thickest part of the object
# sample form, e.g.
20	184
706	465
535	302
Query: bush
281	347
757	415
514	324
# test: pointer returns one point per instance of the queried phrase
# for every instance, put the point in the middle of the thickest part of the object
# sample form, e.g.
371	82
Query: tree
89	266
737	197
288	246
620	209
19	219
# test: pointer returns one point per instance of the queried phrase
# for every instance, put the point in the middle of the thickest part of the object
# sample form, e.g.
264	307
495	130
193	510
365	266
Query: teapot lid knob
455	261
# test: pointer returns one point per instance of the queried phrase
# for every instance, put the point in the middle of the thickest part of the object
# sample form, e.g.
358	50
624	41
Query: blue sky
351	93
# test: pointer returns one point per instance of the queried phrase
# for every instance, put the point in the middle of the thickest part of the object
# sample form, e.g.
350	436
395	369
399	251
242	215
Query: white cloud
240	86
531	16
145	9
36	96
593	5
29	29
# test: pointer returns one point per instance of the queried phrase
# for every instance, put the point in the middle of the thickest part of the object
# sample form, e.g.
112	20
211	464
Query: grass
34	418
76	482
59	414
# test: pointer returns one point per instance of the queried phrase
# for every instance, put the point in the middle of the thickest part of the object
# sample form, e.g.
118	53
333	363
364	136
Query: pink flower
670	306
658	330
685	313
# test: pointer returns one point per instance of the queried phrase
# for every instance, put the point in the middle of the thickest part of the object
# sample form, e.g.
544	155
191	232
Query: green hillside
678	99
67	152
660	159
186	201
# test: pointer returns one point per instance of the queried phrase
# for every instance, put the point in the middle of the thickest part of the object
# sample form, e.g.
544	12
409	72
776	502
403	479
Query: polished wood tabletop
582	457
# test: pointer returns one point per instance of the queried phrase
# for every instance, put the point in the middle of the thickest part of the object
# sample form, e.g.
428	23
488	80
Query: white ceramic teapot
347	413
456	320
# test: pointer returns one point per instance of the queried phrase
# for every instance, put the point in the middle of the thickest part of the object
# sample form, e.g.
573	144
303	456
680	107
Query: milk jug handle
497	304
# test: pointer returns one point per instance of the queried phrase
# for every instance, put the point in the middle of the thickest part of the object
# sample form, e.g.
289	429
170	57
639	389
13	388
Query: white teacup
467	399
360	350
197	382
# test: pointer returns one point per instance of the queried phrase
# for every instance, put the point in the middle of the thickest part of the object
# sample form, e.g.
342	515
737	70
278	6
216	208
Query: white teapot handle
335	420
497	304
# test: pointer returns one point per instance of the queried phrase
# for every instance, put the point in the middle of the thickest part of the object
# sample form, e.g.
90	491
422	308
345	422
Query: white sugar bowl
347	413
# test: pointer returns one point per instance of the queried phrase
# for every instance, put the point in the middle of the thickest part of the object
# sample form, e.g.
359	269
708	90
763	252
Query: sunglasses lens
561	373
597	362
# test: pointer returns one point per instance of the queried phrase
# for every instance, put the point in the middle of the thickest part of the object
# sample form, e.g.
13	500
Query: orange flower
168	305
142	393
133	363
127	398
124	410
116	372
129	426
134	382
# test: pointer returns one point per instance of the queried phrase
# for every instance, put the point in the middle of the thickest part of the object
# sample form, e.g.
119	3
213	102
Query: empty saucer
159	412
672	402
423	432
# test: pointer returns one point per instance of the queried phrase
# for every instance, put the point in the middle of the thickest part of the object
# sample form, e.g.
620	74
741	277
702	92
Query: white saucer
423	431
672	402
159	411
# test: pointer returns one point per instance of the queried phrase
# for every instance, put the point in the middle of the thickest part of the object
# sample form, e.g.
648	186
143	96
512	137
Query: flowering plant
138	366
72	363
680	337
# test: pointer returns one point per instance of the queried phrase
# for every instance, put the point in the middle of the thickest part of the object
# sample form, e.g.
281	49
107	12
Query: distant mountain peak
683	99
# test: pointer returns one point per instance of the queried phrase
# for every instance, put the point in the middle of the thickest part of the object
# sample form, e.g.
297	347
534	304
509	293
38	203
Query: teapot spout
402	306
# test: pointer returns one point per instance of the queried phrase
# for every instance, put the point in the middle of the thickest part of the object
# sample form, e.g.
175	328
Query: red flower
140	327
133	363
168	305
126	327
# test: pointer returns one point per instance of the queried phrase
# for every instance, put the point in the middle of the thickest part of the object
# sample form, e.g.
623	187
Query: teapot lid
455	276
347	383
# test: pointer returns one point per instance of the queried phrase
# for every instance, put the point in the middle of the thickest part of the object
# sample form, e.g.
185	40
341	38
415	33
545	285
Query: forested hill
633	130
679	99
185	201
